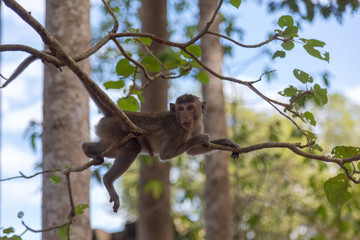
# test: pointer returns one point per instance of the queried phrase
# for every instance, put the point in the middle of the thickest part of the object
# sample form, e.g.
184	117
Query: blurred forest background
272	194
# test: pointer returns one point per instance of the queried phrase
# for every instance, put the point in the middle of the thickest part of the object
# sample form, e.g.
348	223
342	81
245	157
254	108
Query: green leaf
336	190
9	230
291	31
280	54
235	3
345	151
114	84
203	77
151	64
310	135
302	76
97	175
318	147
285	20
320	96
155	187
316	53
129	104
325	78
124	68
288	45
146	41
194	49
79	209
54	179
138	93
170	58
321	210
309	118
315	43
133	30
289	91
62	232
20	214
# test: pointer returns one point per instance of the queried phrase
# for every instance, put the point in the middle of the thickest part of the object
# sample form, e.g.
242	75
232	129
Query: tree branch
61	54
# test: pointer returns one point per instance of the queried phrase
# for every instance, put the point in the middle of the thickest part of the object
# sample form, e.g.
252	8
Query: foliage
307	10
9	233
275	194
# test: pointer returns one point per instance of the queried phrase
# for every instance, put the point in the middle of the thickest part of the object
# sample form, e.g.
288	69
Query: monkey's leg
94	150
126	156
201	149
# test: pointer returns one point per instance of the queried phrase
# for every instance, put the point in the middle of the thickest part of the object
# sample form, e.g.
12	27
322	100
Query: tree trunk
154	214
217	197
66	119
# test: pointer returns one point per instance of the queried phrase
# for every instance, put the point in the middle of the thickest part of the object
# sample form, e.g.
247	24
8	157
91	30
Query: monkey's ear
172	108
203	107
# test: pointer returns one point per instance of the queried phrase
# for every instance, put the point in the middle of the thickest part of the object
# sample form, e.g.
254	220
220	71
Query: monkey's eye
190	108
181	108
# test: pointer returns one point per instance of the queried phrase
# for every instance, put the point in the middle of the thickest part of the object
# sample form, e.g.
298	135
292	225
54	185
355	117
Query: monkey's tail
23	65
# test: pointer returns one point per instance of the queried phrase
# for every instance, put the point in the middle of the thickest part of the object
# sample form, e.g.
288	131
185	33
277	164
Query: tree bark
154	214
66	119
217	197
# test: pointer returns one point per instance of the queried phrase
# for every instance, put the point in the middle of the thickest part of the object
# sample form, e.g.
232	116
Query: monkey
171	133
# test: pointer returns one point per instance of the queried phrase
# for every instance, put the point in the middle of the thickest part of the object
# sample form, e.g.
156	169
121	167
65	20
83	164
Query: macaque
171	134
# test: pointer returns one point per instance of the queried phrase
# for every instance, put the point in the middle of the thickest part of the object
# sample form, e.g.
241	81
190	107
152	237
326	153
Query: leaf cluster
307	10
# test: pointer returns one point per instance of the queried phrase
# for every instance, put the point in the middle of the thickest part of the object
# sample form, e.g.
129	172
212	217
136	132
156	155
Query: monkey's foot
235	155
116	201
99	160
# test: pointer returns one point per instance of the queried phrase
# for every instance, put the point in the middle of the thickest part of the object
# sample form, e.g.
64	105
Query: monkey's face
186	114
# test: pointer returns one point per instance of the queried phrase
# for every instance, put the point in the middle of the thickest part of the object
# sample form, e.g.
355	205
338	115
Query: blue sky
21	100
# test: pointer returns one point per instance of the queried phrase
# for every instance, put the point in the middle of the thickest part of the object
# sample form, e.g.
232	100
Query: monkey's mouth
187	125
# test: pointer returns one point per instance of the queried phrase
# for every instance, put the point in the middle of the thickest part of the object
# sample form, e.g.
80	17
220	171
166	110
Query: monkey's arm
201	149
169	151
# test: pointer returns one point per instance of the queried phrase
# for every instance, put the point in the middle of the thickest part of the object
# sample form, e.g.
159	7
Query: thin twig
43	230
31	176
116	23
245	45
206	28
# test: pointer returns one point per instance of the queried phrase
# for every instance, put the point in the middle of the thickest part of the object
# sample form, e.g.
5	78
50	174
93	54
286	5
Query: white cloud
353	94
15	159
250	99
102	216
20	194
18	119
36	7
